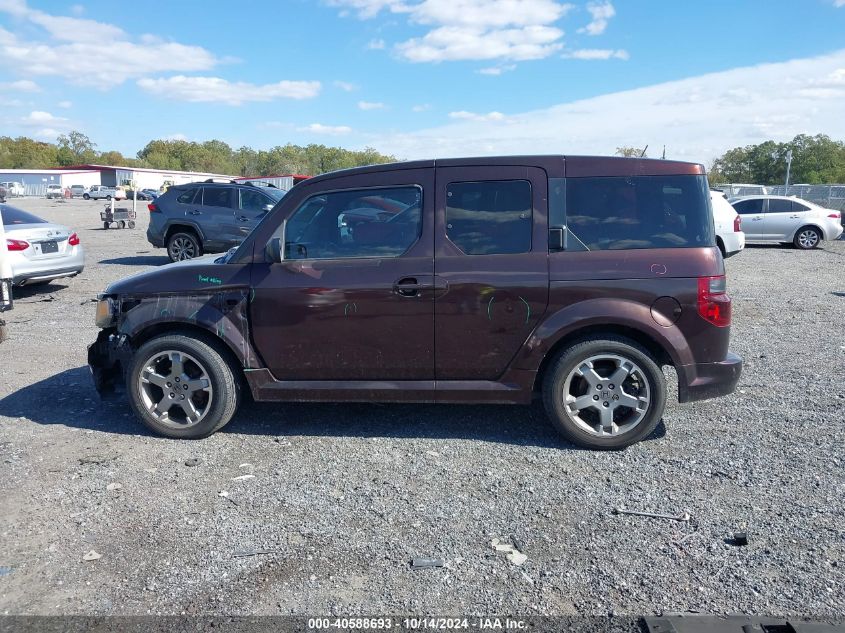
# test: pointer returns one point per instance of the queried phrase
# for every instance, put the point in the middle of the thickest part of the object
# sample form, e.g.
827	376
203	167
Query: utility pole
788	169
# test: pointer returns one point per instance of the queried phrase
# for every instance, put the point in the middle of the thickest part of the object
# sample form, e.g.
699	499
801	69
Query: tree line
75	148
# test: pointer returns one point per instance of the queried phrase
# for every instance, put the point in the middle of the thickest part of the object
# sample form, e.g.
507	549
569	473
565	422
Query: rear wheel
183	245
108	197
121	224
131	224
807	238
604	393
105	225
182	387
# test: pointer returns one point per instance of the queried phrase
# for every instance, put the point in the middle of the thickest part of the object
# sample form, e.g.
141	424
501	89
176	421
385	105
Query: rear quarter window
617	213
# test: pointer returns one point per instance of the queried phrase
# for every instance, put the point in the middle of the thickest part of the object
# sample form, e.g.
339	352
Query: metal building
35	181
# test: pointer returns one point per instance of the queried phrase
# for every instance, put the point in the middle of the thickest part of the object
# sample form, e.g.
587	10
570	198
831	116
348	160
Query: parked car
55	191
787	220
13	189
99	192
142	194
40	251
152	193
729	235
3	193
207	217
570	278
78	191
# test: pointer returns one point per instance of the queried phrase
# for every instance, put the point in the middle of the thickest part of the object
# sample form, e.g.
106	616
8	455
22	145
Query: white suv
98	192
13	189
787	220
55	191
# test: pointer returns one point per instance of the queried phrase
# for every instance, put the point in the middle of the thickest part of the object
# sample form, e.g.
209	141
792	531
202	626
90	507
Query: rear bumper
709	380
108	356
26	270
32	276
734	242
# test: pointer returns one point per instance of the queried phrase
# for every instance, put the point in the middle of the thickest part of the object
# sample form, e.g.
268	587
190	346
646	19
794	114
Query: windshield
13	216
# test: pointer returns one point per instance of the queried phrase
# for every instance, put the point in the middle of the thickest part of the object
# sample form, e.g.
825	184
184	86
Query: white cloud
23	85
839	3
217	90
331	130
601	13
370	105
472	116
497	70
88	52
597	53
376	45
345	86
696	118
473	29
423	107
65	104
39	117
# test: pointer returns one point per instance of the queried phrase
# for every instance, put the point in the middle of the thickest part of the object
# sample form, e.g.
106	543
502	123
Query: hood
193	276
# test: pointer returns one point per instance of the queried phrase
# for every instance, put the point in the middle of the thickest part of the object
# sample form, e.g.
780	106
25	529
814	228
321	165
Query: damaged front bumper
108	359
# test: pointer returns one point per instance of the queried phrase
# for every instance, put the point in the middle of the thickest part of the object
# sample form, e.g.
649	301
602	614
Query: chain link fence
828	196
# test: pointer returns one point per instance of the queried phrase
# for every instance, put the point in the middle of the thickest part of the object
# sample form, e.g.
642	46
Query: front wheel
604	393
807	238
86	197
182	387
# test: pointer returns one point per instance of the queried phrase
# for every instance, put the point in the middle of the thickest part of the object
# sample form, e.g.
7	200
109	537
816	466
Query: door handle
194	212
409	287
243	218
794	217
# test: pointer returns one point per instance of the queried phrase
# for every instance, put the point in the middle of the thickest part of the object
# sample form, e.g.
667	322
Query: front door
491	258
216	217
252	206
354	298
752	217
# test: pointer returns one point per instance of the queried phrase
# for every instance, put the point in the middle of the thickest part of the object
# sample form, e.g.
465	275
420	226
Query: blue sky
426	77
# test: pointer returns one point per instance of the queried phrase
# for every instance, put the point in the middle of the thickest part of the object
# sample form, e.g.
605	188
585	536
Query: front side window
749	207
216	197
355	223
254	201
489	217
615	213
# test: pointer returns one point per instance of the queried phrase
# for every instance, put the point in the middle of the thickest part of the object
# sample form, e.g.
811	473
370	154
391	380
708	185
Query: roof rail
258	183
225	181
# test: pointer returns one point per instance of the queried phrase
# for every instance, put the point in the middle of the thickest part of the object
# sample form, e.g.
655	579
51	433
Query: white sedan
38	250
729	235
787	220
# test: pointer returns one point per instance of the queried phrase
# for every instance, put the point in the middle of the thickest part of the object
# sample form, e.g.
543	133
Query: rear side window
216	197
797	206
638	212
187	196
13	216
489	217
254	201
776	205
749	207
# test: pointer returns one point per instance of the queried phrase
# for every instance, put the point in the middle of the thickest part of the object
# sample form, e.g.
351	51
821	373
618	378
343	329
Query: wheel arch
809	225
183	226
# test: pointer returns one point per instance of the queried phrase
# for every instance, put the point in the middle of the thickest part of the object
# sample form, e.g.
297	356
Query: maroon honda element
478	280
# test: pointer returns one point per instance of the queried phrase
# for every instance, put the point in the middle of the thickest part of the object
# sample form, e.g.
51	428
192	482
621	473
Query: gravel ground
343	496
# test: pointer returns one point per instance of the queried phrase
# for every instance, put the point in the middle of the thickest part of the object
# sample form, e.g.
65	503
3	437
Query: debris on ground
432	453
193	461
96	459
92	555
244	553
114	486
739	539
511	552
684	516
426	563
5	571
243	477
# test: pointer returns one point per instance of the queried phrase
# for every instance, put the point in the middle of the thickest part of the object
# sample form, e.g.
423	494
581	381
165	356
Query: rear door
752	217
216	217
780	221
252	206
491	267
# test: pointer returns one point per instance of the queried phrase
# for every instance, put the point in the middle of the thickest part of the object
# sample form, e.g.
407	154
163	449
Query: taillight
153	207
737	224
714	304
835	215
16	245
73	240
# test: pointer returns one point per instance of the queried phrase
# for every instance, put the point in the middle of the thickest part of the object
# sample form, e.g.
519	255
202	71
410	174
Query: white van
13	189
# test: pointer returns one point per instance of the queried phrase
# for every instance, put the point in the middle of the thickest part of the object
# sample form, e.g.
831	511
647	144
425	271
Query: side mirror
275	250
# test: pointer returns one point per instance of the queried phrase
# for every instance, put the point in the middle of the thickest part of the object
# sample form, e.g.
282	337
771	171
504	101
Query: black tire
131	224
721	246
106	225
121	224
568	361
108	197
183	245
225	385
807	238
85	196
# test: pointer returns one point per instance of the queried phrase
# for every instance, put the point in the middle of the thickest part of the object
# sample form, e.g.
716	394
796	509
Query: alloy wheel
175	388
182	248
808	238
606	395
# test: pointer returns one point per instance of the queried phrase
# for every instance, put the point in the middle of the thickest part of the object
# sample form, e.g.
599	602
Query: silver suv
787	220
208	217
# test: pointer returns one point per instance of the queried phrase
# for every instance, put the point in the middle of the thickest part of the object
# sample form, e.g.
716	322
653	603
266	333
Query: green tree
74	148
631	152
